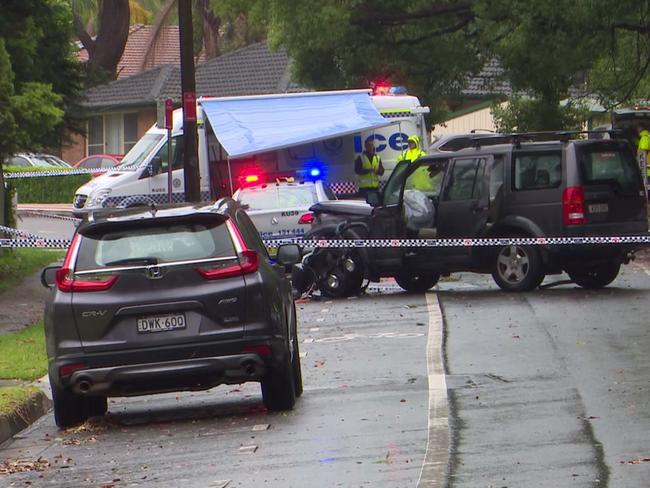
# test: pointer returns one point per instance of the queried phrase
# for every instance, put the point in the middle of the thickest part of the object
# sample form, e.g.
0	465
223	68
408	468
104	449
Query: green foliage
22	354
37	110
17	264
15	397
48	189
8	125
522	114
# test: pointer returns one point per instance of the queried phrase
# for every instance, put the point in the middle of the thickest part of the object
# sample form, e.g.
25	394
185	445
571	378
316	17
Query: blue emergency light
314	172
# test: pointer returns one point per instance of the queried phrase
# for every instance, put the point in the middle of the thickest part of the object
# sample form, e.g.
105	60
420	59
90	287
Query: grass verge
16	264
22	354
13	397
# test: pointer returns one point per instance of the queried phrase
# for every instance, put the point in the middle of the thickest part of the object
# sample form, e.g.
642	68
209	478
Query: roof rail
561	135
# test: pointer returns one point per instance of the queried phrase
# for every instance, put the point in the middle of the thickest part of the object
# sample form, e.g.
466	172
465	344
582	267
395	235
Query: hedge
45	189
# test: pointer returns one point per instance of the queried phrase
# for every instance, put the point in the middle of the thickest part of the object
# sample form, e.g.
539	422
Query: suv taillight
248	262
573	206
67	281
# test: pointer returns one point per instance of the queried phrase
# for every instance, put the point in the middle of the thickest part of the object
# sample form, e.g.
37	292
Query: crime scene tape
49	215
63	172
483	242
25	238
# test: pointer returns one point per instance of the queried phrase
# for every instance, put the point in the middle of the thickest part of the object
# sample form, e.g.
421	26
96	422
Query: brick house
121	111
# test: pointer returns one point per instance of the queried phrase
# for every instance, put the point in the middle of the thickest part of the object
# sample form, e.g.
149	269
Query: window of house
96	135
130	131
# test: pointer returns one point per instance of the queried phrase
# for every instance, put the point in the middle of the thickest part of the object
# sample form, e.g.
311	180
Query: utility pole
188	88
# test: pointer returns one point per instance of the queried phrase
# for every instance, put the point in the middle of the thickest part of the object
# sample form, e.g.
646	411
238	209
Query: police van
142	176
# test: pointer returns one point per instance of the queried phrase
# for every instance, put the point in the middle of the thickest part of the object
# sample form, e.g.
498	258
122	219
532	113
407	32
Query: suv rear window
153	244
614	166
275	197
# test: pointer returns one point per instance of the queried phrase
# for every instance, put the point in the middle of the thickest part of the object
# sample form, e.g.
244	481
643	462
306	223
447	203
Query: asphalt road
551	388
545	389
48	228
362	420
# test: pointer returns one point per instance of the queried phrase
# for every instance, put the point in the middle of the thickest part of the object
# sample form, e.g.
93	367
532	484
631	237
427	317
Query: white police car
280	208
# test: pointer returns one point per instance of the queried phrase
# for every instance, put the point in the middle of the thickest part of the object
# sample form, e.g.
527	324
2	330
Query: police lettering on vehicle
396	141
289	213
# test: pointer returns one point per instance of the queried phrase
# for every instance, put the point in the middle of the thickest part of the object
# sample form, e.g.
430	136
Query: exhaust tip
84	385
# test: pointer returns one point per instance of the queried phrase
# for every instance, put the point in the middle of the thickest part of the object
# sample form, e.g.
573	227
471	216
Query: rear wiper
143	260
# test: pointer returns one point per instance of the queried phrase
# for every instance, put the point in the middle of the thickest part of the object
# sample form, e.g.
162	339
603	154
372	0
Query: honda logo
153	272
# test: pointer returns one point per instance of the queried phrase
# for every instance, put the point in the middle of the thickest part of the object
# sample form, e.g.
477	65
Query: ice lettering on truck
396	141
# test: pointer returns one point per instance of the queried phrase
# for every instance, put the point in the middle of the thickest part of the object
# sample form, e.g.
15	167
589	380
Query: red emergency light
251	179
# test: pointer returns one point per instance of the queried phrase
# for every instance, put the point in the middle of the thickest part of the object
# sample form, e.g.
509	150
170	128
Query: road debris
23	465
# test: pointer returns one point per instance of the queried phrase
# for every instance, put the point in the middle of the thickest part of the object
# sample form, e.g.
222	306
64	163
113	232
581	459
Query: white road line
434	465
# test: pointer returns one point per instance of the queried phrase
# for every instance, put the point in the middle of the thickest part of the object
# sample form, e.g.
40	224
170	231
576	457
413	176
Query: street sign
169	114
189	106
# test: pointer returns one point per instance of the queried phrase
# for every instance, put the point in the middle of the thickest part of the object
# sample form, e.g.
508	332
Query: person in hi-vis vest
643	151
368	168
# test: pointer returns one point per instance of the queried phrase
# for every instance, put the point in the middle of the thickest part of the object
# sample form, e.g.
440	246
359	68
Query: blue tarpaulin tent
256	124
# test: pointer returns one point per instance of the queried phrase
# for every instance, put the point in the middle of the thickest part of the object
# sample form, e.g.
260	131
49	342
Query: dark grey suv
558	188
185	298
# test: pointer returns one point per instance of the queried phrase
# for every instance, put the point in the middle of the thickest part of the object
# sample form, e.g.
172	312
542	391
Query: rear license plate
161	323
598	208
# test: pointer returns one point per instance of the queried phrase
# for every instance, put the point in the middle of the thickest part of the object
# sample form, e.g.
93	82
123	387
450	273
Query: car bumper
159	370
148	378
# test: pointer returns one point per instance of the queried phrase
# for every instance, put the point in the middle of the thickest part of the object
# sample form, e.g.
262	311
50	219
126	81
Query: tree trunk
210	24
114	16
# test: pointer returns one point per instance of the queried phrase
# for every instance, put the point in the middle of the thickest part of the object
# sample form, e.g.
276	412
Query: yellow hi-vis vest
644	149
369	180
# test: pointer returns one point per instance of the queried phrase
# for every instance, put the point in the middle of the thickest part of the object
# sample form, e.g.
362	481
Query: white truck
319	135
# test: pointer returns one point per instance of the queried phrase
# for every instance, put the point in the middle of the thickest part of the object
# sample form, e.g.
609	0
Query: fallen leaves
23	466
637	461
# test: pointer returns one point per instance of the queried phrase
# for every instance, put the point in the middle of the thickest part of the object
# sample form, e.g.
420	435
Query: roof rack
561	135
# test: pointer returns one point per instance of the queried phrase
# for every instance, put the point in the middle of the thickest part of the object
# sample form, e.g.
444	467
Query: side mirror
288	254
48	276
373	199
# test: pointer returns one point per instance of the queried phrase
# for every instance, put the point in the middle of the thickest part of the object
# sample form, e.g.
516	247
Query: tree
39	78
621	73
106	49
428	46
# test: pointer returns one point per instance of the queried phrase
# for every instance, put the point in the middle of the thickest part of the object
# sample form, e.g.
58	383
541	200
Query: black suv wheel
518	268
71	409
279	386
341	273
417	282
595	276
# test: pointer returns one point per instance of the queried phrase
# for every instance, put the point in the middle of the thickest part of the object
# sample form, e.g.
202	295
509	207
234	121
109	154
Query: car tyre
278	387
336	281
95	406
417	282
69	409
518	268
595	276
296	367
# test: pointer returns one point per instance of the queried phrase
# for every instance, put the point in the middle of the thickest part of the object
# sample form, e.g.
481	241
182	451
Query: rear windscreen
154	244
613	166
278	198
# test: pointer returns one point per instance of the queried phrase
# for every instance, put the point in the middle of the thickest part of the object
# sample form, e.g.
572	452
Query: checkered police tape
27	239
38	243
501	241
62	172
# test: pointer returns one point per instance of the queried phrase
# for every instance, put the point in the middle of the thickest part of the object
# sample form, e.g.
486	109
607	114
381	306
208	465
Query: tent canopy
256	124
